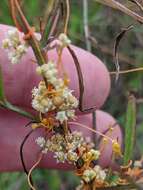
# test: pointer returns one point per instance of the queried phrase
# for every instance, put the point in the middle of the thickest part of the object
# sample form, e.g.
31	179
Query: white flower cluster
59	97
65	147
41	101
73	148
15	46
40	141
65	115
60	43
96	173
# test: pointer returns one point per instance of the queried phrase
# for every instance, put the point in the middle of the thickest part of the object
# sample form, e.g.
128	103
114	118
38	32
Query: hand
19	81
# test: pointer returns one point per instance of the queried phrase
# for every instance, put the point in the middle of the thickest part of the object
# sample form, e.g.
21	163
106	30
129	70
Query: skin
19	81
12	132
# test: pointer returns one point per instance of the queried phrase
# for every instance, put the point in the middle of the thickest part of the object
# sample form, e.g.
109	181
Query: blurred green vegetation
104	25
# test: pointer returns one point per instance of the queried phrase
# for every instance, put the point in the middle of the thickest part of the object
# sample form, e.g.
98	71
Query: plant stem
67	16
52	8
116	5
85	24
18	110
128	71
89	48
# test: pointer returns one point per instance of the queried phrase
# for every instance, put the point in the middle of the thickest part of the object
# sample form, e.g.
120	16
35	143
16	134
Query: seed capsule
58	101
116	148
71	99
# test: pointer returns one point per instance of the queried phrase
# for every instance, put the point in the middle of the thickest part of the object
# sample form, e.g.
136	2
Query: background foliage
104	25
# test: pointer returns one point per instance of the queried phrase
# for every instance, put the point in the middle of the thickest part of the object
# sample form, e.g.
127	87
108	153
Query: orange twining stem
29	29
15	5
52	93
29	34
21	14
90	129
59	62
31	170
61	68
13	13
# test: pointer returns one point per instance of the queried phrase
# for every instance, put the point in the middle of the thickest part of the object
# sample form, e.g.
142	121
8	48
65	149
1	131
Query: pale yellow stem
30	171
127	71
67	16
90	129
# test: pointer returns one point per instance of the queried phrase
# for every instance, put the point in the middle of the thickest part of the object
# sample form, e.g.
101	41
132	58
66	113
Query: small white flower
61	116
13	33
42	104
60	156
38	70
59	84
13	36
13	57
40	141
17	48
70	114
21	49
35	91
6	43
77	135
49	74
95	154
72	156
51	64
46	102
72	101
49	71
45	150
14	60
53	80
48	144
65	41
100	174
67	92
37	36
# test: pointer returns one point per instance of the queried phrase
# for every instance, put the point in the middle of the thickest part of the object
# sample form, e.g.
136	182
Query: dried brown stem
54	23
80	79
51	15
128	71
116	47
109	51
67	16
116	5
22	156
137	3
